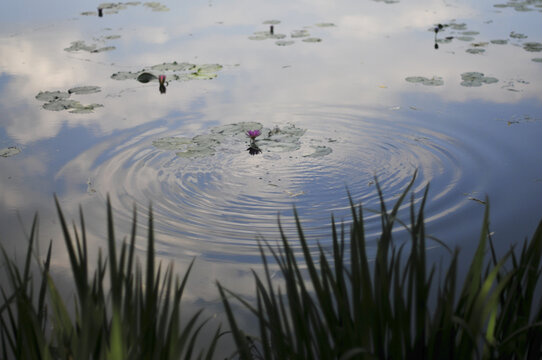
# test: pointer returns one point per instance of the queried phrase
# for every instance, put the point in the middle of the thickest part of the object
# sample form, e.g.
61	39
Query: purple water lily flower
253	134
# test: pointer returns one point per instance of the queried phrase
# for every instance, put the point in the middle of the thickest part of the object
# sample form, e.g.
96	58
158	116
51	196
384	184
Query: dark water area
342	92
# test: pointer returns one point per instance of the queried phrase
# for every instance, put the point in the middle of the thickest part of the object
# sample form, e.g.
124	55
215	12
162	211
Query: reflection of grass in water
339	305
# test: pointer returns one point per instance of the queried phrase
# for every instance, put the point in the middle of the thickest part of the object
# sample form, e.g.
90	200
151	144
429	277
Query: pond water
342	92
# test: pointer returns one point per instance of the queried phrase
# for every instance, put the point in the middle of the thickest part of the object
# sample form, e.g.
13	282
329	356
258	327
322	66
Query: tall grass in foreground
340	305
353	308
135	316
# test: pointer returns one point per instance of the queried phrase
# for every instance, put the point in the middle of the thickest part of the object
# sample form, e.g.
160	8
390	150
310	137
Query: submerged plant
343	305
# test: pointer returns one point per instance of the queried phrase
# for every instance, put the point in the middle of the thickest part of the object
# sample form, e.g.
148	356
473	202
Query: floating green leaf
312	40
156	6
325	24
52	95
271	22
434	81
84	90
284	42
475	79
499	42
299	33
319	151
532	46
475	51
10	151
518	35
537	60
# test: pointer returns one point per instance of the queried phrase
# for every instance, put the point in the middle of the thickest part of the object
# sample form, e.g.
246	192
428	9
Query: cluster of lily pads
114	8
302	34
278	139
173	71
523	5
470	79
460	32
60	100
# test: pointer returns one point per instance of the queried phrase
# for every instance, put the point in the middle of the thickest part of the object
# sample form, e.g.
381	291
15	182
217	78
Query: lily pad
532	46
465	38
434	81
499	42
156	6
174	71
455	26
518	35
52	95
319	151
146	77
271	22
475	79
10	151
299	33
312	40
475	51
470	33
284	42
278	139
84	90
537	60
326	24
80	46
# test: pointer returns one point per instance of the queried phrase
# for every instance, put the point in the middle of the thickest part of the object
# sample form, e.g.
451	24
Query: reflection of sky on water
351	87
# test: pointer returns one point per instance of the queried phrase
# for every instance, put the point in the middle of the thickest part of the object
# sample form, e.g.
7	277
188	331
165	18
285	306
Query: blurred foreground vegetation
338	304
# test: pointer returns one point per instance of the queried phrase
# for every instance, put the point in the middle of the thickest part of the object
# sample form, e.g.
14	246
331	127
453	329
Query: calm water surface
348	92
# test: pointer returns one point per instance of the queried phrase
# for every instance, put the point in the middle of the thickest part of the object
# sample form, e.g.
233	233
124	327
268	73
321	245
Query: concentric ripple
218	206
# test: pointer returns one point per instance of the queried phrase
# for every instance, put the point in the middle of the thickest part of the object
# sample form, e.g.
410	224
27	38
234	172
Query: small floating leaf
533	46
10	151
156	6
52	95
475	79
84	90
80	46
299	33
271	22
284	42
465	38
470	33
434	81
319	151
102	49
537	60
325	24
312	40
517	35
146	77
475	51
499	42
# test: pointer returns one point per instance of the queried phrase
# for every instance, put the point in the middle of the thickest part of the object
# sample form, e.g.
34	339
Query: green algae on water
476	79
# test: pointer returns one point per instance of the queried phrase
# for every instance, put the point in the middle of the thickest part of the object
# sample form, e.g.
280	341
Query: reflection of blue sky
350	85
